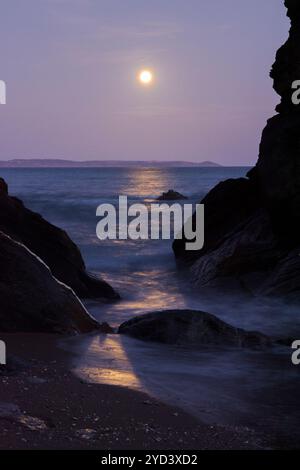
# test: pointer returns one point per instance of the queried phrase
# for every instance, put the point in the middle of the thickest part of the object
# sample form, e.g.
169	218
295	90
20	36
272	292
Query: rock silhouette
31	299
277	172
190	328
171	195
252	224
52	245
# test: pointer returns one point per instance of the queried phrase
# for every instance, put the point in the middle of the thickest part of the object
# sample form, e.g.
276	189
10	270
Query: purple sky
70	68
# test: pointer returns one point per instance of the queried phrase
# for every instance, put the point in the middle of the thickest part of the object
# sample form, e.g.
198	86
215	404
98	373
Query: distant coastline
60	163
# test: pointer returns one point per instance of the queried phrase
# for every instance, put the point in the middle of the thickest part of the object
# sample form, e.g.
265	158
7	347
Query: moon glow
145	77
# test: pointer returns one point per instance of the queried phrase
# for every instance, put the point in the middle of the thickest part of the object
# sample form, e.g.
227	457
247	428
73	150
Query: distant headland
60	163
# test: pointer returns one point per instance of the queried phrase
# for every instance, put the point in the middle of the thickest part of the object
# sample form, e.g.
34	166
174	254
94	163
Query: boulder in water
171	195
190	328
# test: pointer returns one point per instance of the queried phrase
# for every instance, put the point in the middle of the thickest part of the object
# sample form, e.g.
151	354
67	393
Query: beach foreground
44	406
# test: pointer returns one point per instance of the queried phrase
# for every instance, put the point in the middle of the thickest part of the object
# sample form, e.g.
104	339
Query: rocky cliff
277	172
252	225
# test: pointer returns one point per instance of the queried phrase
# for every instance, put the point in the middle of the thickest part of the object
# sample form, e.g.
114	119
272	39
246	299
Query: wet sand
43	405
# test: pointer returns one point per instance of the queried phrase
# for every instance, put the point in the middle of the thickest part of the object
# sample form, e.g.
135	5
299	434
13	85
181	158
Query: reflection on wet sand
228	386
118	370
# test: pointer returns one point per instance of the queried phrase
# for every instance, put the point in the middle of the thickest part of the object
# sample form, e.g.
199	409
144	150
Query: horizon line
53	160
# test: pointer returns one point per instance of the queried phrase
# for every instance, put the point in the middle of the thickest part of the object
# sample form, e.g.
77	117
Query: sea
226	386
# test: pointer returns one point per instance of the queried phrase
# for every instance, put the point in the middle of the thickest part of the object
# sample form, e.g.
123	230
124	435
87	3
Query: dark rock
52	245
252	225
250	248
190	328
277	174
32	299
277	171
171	195
3	187
106	328
227	206
285	278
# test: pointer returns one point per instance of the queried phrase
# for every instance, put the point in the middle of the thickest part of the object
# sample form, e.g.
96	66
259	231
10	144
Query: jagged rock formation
52	245
190	328
252	225
31	299
277	172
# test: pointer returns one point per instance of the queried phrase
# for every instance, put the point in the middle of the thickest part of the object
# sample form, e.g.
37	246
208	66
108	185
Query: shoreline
43	405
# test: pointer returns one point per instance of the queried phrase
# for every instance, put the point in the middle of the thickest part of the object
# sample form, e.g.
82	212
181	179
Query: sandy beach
44	406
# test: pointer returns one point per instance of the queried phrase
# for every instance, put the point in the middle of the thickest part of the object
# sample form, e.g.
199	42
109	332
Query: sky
70	69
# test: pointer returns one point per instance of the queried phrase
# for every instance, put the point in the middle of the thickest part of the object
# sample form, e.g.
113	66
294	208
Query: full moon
145	77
